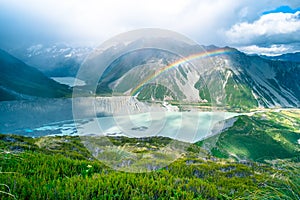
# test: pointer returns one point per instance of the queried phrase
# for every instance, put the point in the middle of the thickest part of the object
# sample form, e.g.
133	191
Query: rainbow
204	54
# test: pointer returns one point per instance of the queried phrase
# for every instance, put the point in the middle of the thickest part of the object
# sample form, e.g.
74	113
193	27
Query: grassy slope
61	168
154	91
263	136
238	95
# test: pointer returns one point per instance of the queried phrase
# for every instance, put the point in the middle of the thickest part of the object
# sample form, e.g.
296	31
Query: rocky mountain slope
217	76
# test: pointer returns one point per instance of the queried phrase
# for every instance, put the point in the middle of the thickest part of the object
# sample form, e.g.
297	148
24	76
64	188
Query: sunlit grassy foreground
62	168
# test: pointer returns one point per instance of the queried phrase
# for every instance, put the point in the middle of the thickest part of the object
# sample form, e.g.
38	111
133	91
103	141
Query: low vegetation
62	168
263	136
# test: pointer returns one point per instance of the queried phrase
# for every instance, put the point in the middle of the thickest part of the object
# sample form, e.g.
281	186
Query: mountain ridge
20	81
293	57
247	81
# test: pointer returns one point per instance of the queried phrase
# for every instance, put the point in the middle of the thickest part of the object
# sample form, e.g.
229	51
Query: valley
221	133
218	124
149	100
174	169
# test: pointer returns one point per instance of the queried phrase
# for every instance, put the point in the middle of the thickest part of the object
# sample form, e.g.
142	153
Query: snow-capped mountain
55	60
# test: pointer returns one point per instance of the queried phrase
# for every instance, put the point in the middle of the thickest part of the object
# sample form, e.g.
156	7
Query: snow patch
68	55
228	74
169	107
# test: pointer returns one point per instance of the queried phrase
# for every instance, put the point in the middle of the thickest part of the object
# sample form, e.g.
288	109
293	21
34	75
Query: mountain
54	60
20	81
250	81
293	57
218	76
260	137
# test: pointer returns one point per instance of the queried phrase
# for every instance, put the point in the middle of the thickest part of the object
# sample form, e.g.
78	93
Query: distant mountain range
20	81
232	78
293	57
54	60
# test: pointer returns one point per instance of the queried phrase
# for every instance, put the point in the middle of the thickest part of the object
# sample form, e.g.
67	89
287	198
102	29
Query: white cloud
273	28
102	19
97	20
273	50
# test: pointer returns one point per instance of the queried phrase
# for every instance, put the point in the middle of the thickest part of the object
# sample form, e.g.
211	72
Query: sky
268	27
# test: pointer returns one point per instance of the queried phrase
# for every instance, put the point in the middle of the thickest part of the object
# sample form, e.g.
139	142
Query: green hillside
263	136
61	168
154	91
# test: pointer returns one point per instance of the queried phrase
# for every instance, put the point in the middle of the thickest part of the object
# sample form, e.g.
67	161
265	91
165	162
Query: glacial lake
70	81
108	116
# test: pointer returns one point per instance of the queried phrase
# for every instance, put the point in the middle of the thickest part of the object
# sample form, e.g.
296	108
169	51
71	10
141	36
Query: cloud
98	20
272	28
95	21
272	50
